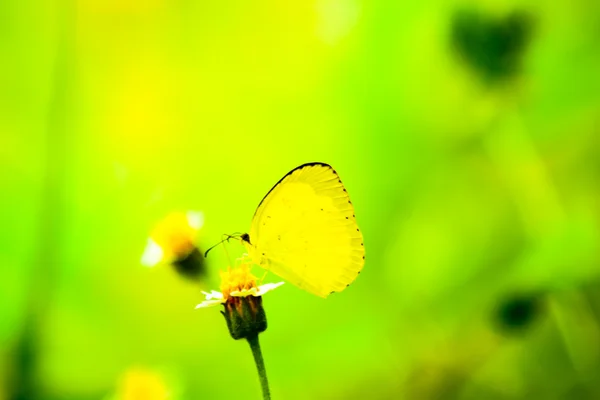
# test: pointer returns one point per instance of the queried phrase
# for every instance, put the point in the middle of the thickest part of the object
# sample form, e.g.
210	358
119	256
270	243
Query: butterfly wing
305	231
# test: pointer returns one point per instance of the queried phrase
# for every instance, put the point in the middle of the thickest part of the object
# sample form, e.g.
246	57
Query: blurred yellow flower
173	241
176	233
142	384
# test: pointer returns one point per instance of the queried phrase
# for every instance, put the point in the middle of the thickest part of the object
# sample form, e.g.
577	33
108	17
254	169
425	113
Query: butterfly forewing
305	231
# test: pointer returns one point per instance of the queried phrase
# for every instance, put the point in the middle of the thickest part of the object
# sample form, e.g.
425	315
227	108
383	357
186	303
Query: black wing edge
310	164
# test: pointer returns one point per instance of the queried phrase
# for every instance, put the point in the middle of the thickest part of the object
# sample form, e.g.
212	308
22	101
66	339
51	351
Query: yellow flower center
236	279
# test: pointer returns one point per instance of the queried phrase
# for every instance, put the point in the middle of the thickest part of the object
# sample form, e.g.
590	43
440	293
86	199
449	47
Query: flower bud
245	316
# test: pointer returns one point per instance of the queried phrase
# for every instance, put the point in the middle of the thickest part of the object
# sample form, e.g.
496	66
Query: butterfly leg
263	277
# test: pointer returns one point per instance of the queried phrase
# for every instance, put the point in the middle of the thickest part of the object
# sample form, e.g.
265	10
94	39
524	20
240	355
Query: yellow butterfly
305	231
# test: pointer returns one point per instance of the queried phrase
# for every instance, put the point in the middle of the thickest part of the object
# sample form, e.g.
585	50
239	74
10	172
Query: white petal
267	287
152	254
208	303
213	295
195	219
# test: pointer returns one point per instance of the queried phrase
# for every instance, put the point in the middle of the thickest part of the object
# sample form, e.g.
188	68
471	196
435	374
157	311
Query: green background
473	165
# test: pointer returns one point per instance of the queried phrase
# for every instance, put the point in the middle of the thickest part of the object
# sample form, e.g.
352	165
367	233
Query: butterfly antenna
213	246
226	237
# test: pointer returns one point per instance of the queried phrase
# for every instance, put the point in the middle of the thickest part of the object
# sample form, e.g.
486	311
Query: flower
242	301
142	384
172	241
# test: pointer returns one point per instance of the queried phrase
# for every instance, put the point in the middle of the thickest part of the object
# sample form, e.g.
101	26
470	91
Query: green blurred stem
260	366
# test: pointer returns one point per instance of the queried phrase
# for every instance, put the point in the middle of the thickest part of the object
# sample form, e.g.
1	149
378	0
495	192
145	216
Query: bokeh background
467	134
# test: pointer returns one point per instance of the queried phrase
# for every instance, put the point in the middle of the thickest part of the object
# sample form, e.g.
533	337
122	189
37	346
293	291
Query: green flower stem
260	366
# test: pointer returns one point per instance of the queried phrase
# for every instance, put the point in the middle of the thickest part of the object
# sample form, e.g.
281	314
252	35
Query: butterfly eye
245	238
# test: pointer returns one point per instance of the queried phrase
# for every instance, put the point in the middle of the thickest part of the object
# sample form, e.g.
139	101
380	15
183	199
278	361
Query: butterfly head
245	238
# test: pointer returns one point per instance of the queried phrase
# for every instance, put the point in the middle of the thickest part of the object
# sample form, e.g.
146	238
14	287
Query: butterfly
304	230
